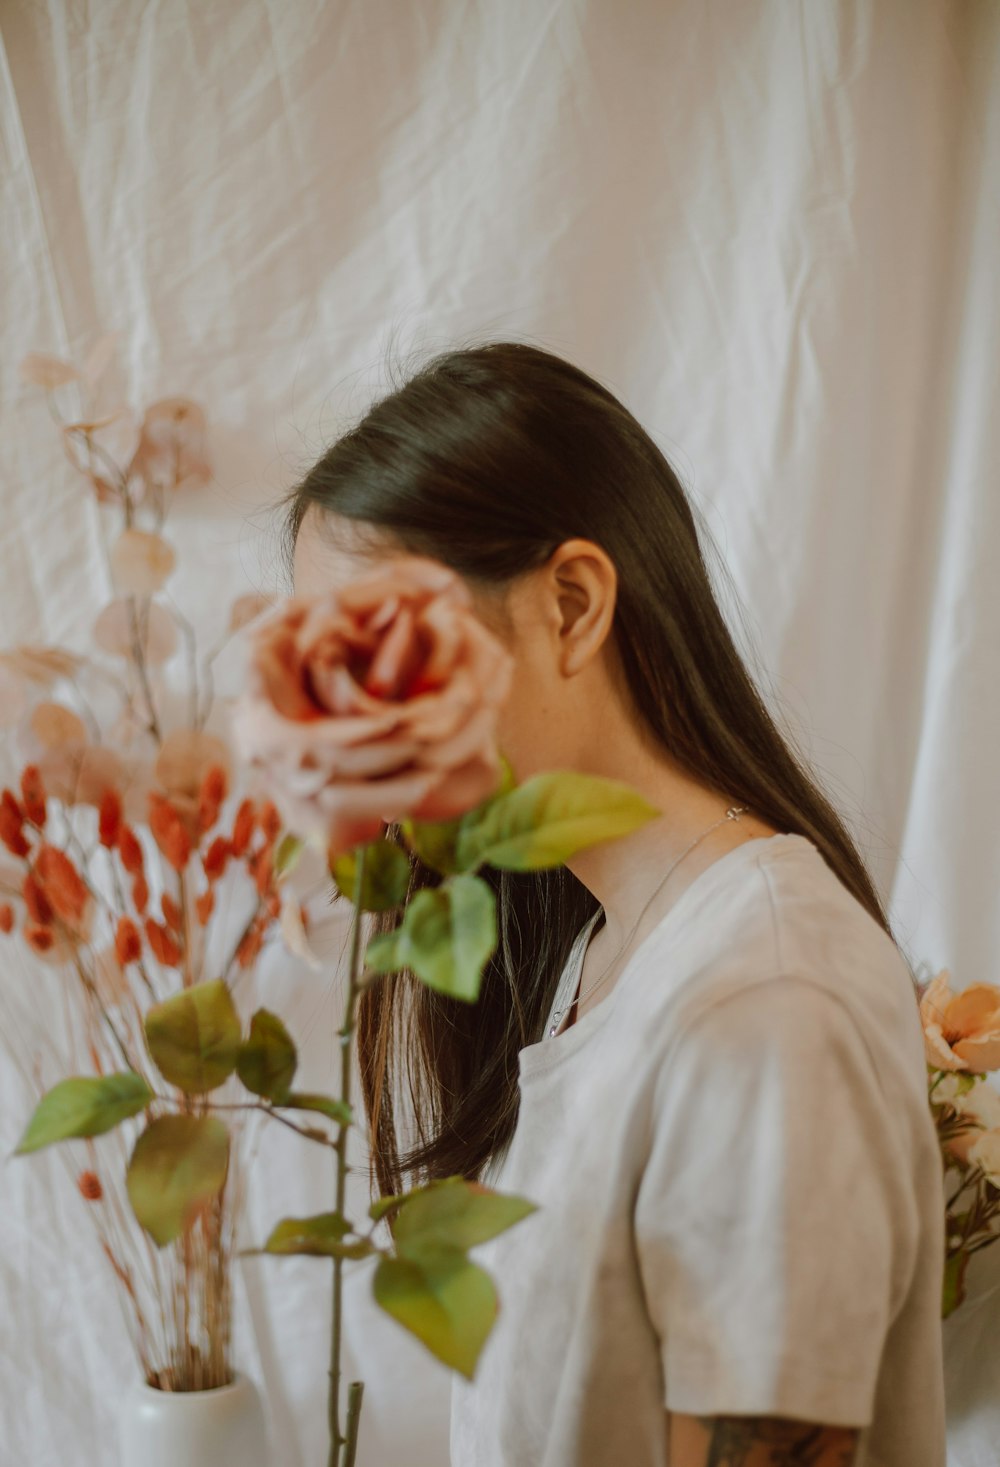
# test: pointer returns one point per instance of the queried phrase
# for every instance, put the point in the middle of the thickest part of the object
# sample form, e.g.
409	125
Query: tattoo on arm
739	1441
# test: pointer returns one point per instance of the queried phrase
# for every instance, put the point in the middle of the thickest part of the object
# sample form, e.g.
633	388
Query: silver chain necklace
733	813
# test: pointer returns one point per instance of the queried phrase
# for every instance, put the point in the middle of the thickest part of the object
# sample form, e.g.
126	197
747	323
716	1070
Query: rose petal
935	998
937	1052
397	659
409	574
461	790
972	1008
475	736
979	1052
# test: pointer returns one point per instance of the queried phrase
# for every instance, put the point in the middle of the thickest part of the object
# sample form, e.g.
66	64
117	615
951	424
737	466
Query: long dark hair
487	458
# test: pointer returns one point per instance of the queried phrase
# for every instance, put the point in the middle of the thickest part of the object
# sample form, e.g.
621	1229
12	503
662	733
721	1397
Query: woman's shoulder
782	931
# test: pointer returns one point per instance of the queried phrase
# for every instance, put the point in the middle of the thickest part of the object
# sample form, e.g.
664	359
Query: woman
698	1047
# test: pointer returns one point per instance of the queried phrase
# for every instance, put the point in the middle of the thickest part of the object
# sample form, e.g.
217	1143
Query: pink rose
376	702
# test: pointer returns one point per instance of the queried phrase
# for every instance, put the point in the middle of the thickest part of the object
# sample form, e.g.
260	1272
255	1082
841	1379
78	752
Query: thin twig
310	1133
344	1035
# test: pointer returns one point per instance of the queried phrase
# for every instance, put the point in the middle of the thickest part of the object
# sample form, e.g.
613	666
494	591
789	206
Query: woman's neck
623	873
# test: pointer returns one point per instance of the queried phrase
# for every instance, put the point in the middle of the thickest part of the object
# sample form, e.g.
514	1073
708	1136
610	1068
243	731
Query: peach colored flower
376	702
961	1030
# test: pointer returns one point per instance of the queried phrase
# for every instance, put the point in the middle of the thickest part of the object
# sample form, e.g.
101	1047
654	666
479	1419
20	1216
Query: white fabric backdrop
771	227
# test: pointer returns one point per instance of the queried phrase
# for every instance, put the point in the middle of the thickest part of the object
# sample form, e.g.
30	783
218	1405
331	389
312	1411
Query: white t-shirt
741	1194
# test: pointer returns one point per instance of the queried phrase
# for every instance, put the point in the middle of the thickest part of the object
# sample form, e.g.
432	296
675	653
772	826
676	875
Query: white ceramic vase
220	1428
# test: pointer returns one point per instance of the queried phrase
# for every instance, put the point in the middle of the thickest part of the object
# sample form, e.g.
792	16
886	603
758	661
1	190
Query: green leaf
507	780
287	855
325	1105
445	1300
194	1037
457	1213
547	819
320	1236
84	1106
179	1163
382	955
267	1060
386	878
448	934
382	1205
434	842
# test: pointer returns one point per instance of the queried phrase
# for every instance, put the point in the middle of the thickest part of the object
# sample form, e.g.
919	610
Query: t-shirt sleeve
774	1220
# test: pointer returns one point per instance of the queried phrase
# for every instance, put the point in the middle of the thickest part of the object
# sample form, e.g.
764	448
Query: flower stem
348	1442
354	1394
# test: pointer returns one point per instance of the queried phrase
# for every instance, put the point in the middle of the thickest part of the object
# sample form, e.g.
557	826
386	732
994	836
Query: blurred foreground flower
376	702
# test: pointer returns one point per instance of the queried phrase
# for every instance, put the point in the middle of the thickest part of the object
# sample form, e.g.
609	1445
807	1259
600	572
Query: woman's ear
586	585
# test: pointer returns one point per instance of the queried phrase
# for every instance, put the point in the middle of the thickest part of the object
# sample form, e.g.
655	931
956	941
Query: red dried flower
6	917
204	905
163	944
243	827
130	851
33	794
172	913
168	831
35	899
261	866
40	938
128	943
63	884
12	825
110	822
210	797
90	1187
269	820
216	857
140	894
249	948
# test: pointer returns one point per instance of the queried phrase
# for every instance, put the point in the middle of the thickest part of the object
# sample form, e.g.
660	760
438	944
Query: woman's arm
757	1441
